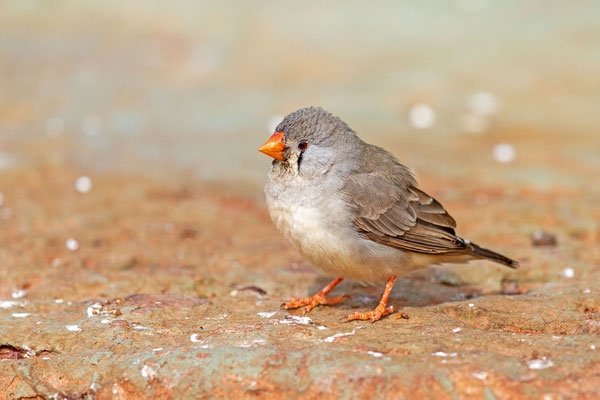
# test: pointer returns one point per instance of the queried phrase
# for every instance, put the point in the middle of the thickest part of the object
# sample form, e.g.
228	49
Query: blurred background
183	86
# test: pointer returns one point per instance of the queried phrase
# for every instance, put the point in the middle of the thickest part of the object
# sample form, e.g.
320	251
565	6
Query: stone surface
143	308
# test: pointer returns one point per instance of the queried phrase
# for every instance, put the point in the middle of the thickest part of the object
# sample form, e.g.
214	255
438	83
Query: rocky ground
146	288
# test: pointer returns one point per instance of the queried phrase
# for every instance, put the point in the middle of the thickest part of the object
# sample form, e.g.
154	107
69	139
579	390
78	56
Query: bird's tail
481	252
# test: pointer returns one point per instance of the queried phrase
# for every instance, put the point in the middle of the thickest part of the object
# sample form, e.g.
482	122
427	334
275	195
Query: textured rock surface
175	290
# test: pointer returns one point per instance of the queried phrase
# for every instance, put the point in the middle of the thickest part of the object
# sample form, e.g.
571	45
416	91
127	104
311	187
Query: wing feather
399	215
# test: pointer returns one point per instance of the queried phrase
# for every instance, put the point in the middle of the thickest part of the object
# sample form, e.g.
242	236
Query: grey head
315	142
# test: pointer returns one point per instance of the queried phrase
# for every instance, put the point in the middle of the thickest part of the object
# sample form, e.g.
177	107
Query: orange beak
274	146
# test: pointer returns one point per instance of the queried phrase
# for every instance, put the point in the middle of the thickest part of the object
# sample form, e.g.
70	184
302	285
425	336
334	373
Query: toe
295	303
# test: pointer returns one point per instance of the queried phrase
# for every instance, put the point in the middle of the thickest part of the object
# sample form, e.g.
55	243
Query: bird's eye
302	145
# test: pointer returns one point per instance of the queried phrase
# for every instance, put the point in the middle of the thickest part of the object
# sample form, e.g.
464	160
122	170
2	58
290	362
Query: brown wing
402	216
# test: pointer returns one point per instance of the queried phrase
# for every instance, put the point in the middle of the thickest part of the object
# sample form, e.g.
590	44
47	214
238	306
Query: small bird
354	211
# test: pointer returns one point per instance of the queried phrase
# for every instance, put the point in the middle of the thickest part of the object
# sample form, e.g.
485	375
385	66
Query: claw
312	302
382	309
318	299
374	315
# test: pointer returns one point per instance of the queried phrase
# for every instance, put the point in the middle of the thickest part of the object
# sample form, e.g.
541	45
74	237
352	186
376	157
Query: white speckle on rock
375	354
471	305
83	184
480	375
94	309
587	291
442	354
456	330
504	153
421	116
140	328
72	244
330	339
568	272
293	319
322	328
267	314
246	344
7	303
105	321
147	372
194	338
59	301
21	315
540	364
17	294
592	347
28	351
73	328
157	349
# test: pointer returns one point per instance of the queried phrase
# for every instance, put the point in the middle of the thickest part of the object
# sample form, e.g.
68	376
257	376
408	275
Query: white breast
318	224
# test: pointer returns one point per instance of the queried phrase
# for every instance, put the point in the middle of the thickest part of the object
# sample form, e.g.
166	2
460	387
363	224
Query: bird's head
309	141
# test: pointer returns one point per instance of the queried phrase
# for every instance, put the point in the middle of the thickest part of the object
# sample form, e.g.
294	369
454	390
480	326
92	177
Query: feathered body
352	209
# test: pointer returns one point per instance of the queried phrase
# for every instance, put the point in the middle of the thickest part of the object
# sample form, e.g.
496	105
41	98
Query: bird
354	211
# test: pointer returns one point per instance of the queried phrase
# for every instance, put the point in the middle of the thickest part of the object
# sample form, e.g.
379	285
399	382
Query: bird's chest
312	223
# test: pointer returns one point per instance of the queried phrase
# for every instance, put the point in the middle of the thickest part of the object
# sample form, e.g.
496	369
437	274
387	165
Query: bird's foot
372	315
312	302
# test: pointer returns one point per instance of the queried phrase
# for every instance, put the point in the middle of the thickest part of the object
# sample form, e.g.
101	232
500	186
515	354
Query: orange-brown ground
175	290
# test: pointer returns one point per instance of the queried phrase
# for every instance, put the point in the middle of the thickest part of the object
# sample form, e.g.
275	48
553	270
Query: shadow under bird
354	211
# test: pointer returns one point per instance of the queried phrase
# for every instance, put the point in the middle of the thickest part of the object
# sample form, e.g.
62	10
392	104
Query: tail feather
481	252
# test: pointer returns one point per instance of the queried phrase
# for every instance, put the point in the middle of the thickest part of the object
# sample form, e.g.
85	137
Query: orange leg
319	298
381	310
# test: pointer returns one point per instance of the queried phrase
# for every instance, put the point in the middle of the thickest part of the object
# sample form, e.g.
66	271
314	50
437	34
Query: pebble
541	238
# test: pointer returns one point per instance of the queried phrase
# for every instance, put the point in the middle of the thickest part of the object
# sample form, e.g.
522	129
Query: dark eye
302	145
